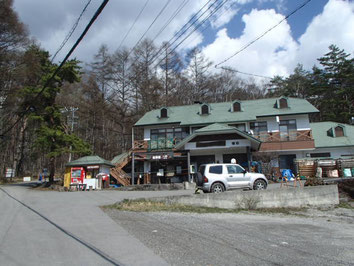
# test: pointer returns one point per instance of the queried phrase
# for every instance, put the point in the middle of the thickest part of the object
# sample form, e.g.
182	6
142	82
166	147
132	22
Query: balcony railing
293	135
159	144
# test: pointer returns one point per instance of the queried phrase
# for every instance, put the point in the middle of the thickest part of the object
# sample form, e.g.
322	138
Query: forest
47	116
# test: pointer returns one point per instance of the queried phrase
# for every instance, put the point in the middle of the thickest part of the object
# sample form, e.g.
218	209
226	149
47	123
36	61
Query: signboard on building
161	157
93	167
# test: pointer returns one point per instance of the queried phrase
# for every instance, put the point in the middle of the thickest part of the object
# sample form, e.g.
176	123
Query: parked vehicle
217	178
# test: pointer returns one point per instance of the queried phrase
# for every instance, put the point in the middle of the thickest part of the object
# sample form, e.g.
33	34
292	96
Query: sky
302	38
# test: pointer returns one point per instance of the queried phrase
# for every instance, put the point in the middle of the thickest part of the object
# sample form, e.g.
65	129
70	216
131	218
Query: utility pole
71	120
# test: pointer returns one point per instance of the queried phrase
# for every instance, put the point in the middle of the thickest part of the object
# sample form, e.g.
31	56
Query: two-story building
176	138
170	143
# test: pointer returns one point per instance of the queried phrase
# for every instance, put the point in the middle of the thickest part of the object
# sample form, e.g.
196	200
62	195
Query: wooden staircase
117	172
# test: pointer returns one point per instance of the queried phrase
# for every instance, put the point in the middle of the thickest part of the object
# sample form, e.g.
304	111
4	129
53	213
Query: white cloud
335	25
49	22
267	56
224	14
277	53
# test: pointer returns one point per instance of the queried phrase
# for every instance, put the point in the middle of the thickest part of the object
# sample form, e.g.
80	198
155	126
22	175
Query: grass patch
345	205
143	205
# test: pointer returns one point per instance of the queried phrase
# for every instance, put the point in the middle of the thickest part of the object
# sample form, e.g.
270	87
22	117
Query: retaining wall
276	198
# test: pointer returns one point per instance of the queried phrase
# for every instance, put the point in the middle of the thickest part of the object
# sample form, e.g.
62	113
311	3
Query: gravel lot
322	238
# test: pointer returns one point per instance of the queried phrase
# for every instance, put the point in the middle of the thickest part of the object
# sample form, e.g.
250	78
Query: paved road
60	228
242	239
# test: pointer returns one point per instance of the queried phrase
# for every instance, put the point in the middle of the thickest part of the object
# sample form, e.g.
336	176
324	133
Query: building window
163	113
236	107
320	155
169	133
283	103
288	129
205	109
339	131
258	127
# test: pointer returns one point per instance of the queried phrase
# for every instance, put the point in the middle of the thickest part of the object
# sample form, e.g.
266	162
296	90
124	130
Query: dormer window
163	113
283	103
236	107
339	131
335	132
205	109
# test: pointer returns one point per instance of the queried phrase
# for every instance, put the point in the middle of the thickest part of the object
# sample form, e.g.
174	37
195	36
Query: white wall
334	152
241	143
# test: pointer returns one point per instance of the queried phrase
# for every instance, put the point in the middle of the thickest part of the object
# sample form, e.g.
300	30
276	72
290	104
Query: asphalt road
62	228
242	239
68	228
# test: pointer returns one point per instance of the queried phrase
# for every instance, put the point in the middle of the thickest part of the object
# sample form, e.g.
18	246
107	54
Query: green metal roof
214	129
90	160
120	157
221	112
322	140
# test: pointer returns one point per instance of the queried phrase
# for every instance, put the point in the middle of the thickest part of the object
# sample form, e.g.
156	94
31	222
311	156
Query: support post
133	168
133	161
249	158
189	166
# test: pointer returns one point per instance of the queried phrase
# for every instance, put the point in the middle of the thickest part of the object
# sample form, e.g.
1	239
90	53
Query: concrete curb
279	198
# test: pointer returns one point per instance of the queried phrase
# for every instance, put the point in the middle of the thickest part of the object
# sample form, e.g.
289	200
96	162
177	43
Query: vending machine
77	175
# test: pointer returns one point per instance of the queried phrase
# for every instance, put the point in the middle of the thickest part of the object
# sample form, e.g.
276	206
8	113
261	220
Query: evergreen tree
333	85
53	137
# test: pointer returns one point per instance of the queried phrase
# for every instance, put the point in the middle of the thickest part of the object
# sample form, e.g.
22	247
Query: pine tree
333	85
52	135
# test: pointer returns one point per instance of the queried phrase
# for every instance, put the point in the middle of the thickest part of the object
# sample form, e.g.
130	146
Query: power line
190	22
136	19
153	58
97	13
264	33
201	23
245	73
179	8
208	25
71	31
152	23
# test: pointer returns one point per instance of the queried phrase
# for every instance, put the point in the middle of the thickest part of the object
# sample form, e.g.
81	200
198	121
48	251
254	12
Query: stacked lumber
306	168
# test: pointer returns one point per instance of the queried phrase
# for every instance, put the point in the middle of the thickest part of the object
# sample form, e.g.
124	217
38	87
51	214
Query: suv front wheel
217	188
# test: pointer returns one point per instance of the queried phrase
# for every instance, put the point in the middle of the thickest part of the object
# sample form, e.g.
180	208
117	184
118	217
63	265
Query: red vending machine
77	175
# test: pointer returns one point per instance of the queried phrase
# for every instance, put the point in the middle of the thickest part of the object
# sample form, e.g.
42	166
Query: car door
236	176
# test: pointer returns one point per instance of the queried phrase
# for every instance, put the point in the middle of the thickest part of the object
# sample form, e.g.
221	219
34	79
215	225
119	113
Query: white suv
217	178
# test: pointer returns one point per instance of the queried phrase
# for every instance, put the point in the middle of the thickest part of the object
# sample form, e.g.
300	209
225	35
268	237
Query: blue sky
304	37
